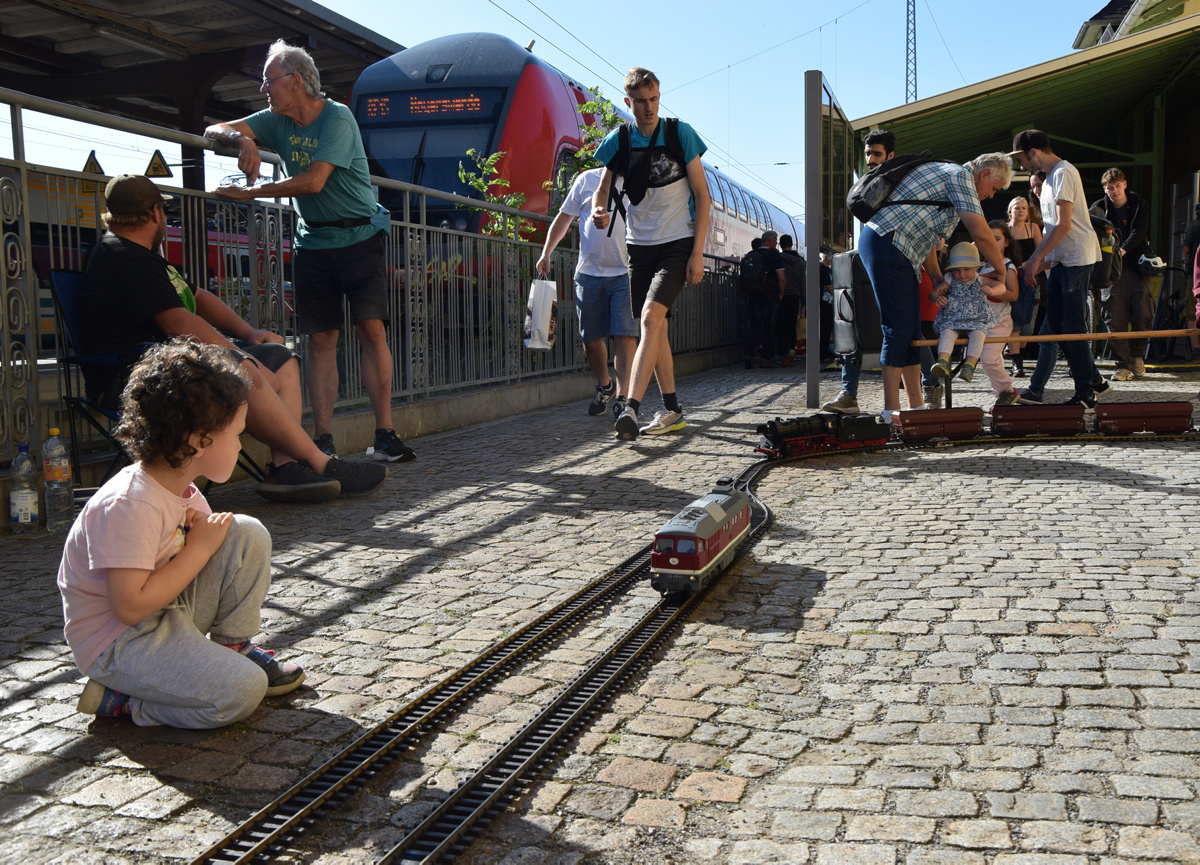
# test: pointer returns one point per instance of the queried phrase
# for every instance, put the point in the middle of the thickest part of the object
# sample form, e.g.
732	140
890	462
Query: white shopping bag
542	313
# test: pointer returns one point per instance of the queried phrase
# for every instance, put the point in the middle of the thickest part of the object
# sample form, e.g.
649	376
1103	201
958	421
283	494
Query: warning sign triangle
92	166
158	166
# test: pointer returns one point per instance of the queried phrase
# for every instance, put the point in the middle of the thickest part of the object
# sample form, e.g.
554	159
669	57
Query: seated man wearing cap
131	296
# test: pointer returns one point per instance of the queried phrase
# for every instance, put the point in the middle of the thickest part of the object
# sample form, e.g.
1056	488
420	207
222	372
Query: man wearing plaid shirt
901	238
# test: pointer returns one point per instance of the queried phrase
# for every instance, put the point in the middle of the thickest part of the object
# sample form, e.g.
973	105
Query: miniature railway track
290	815
463	815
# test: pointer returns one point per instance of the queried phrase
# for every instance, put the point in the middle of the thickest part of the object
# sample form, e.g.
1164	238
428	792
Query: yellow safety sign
92	166
158	166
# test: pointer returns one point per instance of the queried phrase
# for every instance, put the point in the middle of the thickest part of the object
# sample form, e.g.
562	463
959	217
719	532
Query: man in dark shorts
132	296
664	233
339	244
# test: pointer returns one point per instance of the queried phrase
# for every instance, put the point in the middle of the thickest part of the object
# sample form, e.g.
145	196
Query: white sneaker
627	424
664	422
1123	374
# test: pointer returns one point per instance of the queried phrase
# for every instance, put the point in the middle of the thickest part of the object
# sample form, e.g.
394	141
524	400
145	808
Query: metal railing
457	299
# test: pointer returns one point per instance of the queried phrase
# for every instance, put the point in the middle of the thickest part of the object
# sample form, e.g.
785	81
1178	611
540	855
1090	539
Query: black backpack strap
671	139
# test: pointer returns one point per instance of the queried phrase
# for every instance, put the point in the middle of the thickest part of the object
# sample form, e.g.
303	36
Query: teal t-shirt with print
334	138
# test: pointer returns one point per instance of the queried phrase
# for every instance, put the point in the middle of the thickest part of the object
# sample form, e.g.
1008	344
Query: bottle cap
53	430
23	448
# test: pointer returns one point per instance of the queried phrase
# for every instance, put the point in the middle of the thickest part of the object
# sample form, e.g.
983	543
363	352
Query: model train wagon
700	541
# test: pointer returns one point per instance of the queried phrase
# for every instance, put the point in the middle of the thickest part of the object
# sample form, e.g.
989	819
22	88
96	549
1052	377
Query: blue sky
736	78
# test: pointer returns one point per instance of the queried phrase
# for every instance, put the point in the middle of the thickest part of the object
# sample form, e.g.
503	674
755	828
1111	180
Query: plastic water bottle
60	495
23	497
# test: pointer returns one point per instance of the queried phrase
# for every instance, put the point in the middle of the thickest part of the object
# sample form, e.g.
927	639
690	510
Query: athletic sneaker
324	443
102	702
933	395
1028	397
1007	398
617	406
1101	389
600	401
845	403
966	372
357	477
1139	367
1088	402
788	358
295	482
389	448
627	425
1123	375
665	421
281	678
941	368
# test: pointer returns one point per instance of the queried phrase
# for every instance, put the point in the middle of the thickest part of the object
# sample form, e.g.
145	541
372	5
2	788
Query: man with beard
131	296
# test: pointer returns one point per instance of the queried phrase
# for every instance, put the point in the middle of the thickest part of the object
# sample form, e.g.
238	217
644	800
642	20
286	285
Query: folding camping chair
84	413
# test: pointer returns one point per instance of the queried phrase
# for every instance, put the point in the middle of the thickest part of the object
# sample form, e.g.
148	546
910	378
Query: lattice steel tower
910	62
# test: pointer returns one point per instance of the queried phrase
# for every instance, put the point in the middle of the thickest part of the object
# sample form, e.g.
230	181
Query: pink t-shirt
132	521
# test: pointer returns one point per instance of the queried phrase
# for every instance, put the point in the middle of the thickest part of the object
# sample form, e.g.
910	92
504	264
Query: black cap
1030	139
132	193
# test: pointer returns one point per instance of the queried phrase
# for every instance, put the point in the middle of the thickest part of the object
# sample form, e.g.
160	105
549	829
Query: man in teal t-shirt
340	241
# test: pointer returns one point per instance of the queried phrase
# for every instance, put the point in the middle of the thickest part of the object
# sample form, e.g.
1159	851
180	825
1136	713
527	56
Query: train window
743	208
730	200
664	545
565	167
714	190
686	546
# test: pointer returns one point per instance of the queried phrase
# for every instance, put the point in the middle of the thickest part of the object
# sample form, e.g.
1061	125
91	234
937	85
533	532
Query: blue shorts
602	303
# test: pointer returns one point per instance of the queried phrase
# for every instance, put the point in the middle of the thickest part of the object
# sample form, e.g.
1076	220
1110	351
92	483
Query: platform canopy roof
175	63
1081	98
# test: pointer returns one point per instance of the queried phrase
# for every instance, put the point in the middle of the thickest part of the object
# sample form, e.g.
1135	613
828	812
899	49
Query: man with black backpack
1128	300
665	227
761	281
793	299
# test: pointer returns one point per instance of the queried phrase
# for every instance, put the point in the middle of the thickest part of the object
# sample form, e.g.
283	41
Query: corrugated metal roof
1082	96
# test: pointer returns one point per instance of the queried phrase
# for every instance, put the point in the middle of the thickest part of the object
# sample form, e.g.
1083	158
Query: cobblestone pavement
969	655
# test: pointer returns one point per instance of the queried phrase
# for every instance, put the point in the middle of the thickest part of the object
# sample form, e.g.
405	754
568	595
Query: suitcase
1126	418
855	313
863	428
1038	420
947	423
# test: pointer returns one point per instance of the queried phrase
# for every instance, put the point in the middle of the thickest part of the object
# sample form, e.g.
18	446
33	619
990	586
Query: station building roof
1082	98
177	63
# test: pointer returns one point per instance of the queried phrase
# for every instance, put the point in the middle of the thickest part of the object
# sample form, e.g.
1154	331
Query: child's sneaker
102	702
967	371
281	678
941	368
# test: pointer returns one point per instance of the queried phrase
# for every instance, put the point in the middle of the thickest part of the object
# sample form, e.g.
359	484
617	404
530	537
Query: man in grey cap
1069	248
132	296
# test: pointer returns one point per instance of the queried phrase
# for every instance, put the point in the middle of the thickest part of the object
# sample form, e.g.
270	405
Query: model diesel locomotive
700	541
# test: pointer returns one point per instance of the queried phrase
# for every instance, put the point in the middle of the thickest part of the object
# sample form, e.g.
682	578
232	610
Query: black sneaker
389	448
357	477
324	443
1101	389
1088	402
600	401
618	406
282	677
1029	397
297	483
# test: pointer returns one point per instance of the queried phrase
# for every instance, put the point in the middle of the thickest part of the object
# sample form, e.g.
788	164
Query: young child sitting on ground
148	569
963	297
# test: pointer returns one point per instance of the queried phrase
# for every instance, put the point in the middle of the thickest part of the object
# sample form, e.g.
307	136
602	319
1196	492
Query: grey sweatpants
176	676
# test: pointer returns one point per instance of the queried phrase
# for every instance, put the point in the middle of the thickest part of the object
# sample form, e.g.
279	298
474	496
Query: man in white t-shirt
1069	247
601	290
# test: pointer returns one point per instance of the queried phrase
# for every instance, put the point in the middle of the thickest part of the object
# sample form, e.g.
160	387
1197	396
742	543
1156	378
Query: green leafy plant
598	117
491	186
